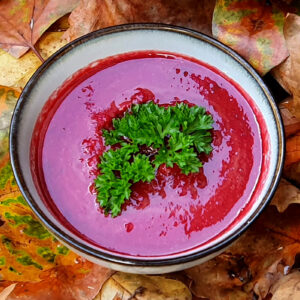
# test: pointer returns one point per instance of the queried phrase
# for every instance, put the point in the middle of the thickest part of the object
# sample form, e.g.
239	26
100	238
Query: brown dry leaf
16	72
287	288
290	121
124	286
23	22
61	24
288	6
255	262
285	195
292	149
91	15
292	129
292	173
288	73
220	278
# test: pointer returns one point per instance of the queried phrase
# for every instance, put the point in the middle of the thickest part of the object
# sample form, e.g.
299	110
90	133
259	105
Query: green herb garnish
150	135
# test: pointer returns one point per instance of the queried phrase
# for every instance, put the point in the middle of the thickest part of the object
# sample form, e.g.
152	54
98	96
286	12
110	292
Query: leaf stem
37	53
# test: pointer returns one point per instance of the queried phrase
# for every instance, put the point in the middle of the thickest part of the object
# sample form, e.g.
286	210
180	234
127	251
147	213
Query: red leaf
23	22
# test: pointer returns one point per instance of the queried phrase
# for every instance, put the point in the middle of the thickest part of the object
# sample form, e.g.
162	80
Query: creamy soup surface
174	212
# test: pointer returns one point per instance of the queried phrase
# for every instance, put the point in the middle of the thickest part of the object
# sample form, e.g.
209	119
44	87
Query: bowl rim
131	261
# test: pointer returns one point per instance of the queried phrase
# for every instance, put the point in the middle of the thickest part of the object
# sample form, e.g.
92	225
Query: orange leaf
81	281
292	150
23	22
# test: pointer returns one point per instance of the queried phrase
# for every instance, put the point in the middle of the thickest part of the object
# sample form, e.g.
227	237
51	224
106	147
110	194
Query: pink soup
175	212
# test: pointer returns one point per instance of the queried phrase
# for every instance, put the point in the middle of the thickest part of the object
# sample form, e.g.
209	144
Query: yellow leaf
287	288
16	72
123	286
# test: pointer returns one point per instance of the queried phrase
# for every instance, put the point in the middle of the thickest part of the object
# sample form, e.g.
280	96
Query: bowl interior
124	39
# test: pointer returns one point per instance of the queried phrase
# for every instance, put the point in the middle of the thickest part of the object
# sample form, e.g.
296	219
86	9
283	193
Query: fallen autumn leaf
81	281
16	72
288	73
285	195
256	263
287	288
290	121
7	291
257	260
253	29
123	286
23	22
91	15
292	150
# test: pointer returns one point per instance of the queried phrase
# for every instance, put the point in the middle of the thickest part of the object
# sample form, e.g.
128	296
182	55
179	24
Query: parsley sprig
150	135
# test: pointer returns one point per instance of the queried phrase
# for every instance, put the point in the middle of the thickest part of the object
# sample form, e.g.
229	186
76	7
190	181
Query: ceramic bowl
122	39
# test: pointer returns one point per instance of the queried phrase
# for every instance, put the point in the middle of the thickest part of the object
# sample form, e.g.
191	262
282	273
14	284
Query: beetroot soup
174	212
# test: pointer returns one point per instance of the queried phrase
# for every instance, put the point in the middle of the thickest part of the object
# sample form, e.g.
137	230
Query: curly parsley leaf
150	135
179	151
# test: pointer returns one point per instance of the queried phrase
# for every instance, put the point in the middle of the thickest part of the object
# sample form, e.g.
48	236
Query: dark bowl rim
114	258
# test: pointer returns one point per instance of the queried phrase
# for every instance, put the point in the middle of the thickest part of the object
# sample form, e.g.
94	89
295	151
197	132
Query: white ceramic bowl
122	39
